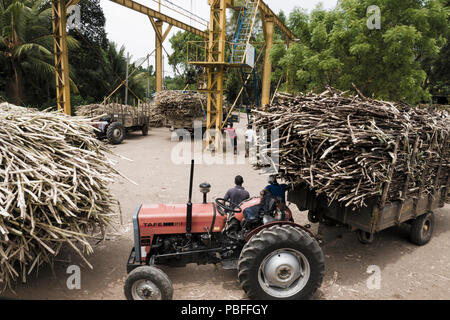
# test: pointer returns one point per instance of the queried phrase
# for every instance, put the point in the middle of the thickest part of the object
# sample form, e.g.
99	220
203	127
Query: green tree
336	48
87	60
114	67
180	42
26	48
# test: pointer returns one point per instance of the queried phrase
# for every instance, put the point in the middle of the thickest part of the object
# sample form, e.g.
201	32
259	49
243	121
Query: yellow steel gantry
157	20
214	63
59	18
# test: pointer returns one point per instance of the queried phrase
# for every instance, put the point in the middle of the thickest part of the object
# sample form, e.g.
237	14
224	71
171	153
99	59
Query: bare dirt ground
407	271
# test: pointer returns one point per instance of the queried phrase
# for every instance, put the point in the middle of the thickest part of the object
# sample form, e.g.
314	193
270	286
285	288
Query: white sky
134	31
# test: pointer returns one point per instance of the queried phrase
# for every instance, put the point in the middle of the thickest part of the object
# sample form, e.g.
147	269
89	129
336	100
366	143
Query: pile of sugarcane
176	105
350	148
437	107
54	189
94	110
156	119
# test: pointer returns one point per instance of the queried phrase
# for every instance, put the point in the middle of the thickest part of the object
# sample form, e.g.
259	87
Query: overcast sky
134	30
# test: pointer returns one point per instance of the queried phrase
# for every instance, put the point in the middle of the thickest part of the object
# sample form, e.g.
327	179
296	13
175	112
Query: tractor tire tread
153	274
110	133
260	245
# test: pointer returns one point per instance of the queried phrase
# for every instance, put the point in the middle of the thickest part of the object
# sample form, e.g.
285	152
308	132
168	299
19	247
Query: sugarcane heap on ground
54	189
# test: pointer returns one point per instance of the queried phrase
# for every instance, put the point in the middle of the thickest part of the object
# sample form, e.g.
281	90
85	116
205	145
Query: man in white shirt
249	140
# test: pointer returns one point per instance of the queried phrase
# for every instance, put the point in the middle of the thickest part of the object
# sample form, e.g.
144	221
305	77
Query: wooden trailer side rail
377	210
411	166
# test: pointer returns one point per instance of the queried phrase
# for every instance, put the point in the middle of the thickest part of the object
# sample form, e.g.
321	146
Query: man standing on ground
233	136
238	194
249	140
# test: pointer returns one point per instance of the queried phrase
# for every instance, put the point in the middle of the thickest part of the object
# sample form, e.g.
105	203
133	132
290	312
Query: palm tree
115	64
26	44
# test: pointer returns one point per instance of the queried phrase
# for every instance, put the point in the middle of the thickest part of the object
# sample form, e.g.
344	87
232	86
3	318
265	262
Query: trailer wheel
145	130
148	283
115	133
422	229
365	237
281	263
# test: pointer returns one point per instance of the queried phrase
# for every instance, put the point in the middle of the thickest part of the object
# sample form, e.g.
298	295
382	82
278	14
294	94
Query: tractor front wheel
281	263
148	283
115	133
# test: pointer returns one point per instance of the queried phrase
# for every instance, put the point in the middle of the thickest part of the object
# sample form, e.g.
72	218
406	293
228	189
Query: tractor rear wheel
115	133
148	283
281	263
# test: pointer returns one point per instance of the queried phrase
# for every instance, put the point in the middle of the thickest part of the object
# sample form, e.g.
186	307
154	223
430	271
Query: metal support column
59	18
266	84
216	50
159	40
158	56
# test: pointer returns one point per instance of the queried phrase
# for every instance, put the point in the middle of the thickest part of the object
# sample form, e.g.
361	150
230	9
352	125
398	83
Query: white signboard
250	56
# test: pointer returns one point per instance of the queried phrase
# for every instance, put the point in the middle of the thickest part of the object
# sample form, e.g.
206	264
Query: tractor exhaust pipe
189	204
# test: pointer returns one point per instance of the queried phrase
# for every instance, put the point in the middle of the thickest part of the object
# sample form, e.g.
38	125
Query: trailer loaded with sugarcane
113	121
362	163
184	111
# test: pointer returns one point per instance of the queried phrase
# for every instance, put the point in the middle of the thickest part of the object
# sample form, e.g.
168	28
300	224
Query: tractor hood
171	219
150	220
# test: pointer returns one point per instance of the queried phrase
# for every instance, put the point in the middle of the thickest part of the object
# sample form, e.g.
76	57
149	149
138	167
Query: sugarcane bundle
435	106
157	120
90	111
54	189
175	105
350	148
94	110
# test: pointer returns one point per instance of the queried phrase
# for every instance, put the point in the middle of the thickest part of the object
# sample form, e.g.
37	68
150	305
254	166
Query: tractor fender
249	235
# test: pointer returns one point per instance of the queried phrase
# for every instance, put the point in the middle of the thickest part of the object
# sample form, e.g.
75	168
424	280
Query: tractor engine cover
152	220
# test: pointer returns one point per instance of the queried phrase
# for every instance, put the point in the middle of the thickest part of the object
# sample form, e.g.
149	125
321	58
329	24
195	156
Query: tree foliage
407	59
26	49
336	48
27	72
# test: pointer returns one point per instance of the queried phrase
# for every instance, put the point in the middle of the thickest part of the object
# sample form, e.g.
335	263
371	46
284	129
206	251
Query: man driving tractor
238	194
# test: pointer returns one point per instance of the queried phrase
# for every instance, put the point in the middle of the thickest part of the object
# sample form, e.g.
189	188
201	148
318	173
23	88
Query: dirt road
406	271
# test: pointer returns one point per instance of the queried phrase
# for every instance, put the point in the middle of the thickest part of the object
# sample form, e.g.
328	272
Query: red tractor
276	258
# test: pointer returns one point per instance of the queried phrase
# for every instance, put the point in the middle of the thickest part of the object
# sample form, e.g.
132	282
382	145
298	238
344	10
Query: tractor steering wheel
224	206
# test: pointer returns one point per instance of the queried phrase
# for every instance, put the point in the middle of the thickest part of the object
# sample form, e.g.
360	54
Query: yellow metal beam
216	72
59	16
266	84
268	13
159	39
159	16
71	3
